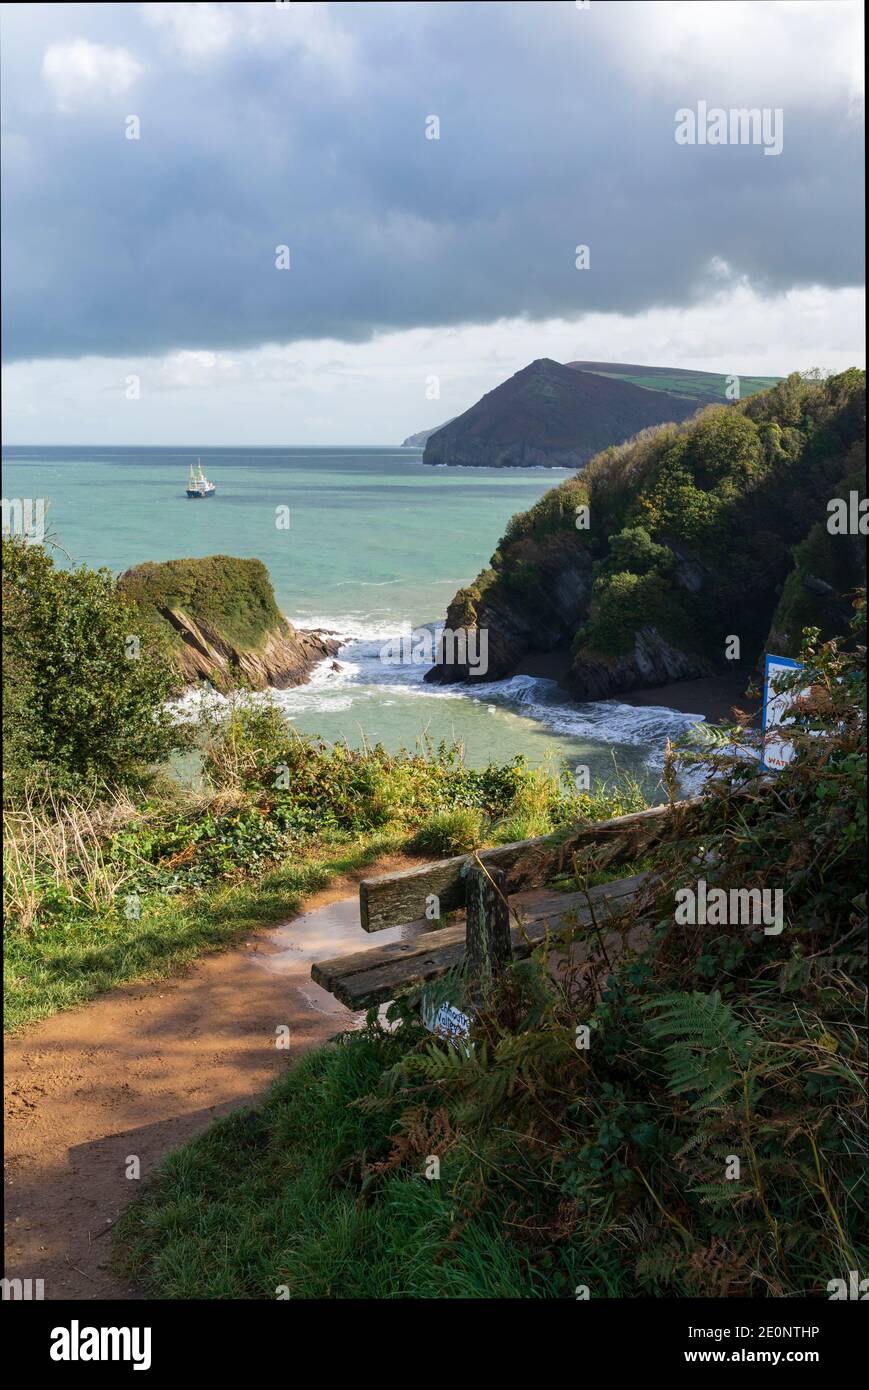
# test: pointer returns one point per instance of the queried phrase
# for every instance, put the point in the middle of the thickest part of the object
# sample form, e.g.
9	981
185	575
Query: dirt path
142	1069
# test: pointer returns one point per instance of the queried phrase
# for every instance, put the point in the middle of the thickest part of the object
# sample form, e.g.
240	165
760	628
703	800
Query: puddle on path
332	930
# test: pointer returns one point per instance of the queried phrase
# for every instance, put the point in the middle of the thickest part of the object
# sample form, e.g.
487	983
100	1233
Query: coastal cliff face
651	660
640	570
550	416
536	607
224	624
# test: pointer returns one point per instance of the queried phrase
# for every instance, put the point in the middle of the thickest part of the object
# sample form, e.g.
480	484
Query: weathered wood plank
393	900
487	930
560	903
379	974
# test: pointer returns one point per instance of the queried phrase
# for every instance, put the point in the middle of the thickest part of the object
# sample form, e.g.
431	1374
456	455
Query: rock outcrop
421	438
223	623
286	658
651	661
515	624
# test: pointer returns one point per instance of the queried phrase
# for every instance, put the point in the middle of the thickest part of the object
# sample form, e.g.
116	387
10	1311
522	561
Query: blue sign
778	749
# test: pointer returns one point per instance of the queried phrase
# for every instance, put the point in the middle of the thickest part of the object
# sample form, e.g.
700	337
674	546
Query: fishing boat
197	484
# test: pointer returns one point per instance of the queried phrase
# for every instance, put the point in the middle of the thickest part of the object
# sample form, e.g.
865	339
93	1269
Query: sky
294	224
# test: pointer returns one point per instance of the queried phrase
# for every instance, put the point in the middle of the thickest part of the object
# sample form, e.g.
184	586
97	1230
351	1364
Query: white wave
600	721
367	583
352	627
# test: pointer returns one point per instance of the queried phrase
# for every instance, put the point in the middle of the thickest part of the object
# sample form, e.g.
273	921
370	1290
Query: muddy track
141	1070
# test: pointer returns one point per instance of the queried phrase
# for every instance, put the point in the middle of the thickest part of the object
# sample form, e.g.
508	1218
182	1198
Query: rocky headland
223	624
643	569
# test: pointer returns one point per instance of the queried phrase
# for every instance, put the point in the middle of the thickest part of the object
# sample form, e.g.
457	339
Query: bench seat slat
377	975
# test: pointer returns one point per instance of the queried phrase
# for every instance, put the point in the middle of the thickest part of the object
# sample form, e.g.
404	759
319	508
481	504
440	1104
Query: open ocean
378	544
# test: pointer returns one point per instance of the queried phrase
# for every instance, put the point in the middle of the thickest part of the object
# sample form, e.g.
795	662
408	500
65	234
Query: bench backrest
394	900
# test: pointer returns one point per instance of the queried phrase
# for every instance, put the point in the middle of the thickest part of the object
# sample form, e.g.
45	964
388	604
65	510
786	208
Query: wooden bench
483	884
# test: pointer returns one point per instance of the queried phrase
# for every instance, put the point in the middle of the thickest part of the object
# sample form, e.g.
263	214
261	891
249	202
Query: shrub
83	703
450	832
555	511
633	549
623	603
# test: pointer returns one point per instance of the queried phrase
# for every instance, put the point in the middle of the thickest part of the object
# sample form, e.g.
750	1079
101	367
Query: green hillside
232	595
706	388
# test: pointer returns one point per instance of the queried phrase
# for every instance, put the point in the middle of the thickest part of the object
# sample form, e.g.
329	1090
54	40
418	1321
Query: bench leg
487	944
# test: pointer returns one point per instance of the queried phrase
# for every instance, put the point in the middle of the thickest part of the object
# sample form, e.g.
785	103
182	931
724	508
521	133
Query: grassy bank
70	960
290	1195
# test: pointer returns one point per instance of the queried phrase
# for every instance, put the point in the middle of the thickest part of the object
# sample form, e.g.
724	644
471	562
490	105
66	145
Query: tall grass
58	847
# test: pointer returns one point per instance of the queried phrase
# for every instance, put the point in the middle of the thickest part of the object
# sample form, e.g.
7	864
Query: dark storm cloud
118	247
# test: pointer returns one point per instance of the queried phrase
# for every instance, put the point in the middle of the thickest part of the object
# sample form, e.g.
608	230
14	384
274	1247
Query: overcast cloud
305	125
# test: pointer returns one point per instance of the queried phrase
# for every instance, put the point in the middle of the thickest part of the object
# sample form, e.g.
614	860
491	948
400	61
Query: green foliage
708	1052
619	474
309	784
705	471
554	512
634	550
624	603
232	596
838	561
82	702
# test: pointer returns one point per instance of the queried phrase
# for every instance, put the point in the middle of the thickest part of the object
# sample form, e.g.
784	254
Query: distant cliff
693	534
681	385
421	438
223	622
551	416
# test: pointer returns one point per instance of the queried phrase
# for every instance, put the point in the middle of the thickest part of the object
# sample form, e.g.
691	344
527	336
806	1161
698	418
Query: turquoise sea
377	545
